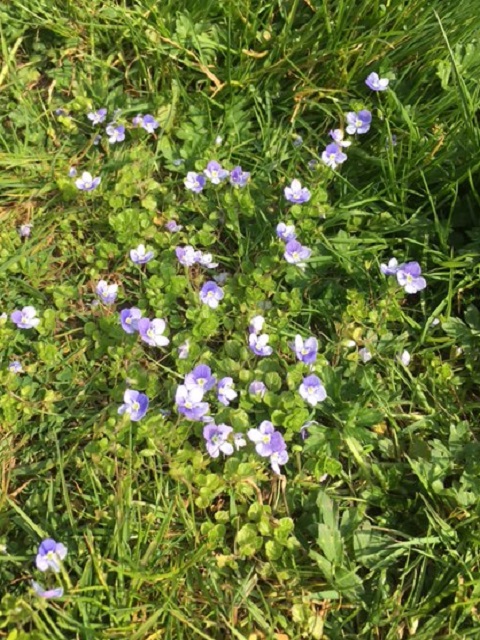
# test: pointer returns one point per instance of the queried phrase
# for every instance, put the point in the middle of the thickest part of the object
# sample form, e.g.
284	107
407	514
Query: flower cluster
189	395
188	256
216	174
408	274
295	253
358	122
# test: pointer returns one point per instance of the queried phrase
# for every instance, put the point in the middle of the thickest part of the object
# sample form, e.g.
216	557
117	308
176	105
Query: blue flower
140	255
225	391
296	193
286	232
215	173
129	319
296	254
200	378
306	351
135	405
195	182
359	122
50	555
15	367
239	178
409	277
333	155
375	83
26	318
151	332
189	403
216	439
211	294
97	117
107	292
87	182
312	390
259	344
116	132
41	592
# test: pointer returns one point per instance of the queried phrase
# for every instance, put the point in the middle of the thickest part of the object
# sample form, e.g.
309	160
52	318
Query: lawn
240	320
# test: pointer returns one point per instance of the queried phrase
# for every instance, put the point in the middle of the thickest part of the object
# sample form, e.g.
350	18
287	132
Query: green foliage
372	529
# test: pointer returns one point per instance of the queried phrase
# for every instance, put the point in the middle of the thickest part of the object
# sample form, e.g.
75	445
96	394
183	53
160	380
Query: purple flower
24	230
46	593
149	123
257	388
358	122
183	350
116	132
409	277
194	182
211	294
206	260
151	332
189	402
50	555
97	117
256	324
216	439
286	232
129	319
87	182
333	155
26	318
306	351
337	136
215	173
239	441
296	193
391	268
259	344
365	354
173	226
15	367
295	253
140	255
225	391
72	172
312	390
200	378
239	178
279	457
107	292
375	83
135	405
262	438
186	255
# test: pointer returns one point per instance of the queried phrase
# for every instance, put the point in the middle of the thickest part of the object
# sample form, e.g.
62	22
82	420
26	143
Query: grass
372	531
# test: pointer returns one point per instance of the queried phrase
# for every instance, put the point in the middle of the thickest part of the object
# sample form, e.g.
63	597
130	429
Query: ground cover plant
240	322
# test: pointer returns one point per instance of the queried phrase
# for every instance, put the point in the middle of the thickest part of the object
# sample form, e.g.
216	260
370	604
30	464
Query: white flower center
135	406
